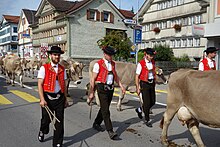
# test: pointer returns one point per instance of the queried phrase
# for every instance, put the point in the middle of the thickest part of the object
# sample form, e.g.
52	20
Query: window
13	47
190	42
196	41
15	29
14	38
174	2
177	43
184	43
106	16
172	43
198	19
92	15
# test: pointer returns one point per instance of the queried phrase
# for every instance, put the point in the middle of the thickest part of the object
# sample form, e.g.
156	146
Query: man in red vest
52	92
145	84
103	76
208	63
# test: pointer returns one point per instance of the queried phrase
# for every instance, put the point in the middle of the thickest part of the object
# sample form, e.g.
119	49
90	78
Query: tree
117	40
164	53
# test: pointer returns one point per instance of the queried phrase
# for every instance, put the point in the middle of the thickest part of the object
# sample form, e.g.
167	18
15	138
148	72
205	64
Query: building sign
129	21
218	7
43	50
137	35
198	30
26	35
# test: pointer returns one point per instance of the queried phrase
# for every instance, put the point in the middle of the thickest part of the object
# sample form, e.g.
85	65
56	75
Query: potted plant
156	30
177	27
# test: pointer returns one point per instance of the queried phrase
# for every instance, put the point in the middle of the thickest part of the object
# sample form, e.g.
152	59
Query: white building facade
176	23
25	33
9	34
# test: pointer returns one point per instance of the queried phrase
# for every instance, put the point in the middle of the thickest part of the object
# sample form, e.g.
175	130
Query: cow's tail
162	122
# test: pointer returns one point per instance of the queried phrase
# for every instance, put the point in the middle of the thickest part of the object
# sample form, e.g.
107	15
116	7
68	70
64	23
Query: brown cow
12	66
31	66
126	72
194	95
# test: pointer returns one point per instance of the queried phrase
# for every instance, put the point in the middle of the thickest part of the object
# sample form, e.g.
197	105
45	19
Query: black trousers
105	97
57	106
148	96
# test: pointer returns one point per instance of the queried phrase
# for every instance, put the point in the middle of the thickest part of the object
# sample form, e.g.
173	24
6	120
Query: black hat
55	49
150	51
211	50
109	50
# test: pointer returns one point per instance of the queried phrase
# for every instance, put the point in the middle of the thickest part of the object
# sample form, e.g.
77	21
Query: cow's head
74	75
79	69
160	76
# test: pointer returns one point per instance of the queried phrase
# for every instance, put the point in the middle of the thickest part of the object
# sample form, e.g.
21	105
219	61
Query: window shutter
97	15
111	18
88	14
102	16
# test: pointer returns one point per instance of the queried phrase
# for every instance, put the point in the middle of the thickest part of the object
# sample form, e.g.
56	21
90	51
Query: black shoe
148	124
41	136
112	134
98	127
139	113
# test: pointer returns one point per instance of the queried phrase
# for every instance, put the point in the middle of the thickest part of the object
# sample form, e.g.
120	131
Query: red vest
144	72
103	71
206	65
50	78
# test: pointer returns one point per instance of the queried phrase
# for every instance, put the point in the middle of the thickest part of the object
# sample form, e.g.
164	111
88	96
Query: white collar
106	61
52	64
209	60
147	61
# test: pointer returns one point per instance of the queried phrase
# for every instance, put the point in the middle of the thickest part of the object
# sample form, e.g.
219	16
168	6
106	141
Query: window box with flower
177	27
156	30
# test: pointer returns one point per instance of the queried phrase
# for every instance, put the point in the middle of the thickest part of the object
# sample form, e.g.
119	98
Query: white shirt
149	67
210	63
41	75
109	67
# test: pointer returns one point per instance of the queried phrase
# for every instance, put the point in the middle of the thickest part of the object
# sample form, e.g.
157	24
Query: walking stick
90	109
90	112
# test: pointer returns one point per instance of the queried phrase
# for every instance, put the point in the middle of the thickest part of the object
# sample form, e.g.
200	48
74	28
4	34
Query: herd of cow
12	65
192	94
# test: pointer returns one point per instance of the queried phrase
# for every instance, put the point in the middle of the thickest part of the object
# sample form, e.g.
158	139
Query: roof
126	13
11	18
78	5
62	5
30	15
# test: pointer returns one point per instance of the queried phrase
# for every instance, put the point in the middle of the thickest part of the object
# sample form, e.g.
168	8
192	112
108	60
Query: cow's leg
193	127
13	79
168	116
67	87
32	70
8	81
120	98
21	80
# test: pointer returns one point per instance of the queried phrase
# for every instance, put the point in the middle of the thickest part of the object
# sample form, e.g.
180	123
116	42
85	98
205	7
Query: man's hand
138	91
43	103
123	90
66	104
90	98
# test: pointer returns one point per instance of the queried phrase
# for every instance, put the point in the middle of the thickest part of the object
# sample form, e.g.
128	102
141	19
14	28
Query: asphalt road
20	120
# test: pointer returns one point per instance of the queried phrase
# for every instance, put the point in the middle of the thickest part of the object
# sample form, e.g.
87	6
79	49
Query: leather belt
150	80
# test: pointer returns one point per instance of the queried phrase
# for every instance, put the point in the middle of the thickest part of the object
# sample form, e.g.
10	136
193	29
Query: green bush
164	53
